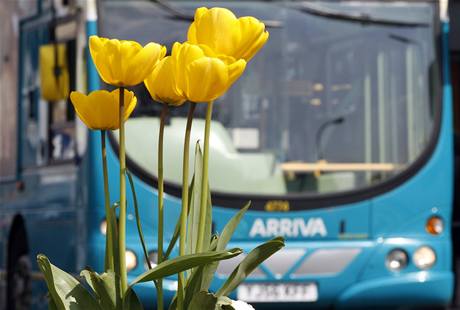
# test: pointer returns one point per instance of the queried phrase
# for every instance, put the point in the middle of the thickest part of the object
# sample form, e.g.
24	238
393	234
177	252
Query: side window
47	117
57	63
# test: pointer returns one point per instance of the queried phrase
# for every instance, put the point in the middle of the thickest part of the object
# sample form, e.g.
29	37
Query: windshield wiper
359	17
178	14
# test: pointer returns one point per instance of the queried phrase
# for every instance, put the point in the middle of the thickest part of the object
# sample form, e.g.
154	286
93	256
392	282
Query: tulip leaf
131	301
116	258
176	233
224	239
203	300
65	291
182	263
194	282
208	222
194	206
103	286
249	263
52	304
138	220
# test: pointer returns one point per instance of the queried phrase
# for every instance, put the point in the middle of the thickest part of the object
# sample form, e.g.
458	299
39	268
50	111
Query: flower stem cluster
198	71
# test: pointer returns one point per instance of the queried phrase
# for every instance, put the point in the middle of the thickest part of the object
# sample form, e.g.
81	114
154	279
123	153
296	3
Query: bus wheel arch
18	264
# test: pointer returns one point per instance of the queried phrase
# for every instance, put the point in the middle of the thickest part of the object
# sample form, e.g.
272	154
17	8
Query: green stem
122	219
159	285
109	238
184	211
204	181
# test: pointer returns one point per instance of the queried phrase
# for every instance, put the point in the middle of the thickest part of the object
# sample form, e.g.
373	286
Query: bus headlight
434	225
396	260
424	257
131	260
103	227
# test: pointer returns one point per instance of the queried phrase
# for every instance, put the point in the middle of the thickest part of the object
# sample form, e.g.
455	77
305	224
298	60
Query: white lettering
288	227
272	227
318	227
285	228
258	228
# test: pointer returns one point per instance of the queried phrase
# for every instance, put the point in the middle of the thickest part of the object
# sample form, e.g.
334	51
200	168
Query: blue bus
340	132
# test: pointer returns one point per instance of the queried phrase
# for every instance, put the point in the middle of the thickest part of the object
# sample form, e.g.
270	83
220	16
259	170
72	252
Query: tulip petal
254	37
161	84
82	109
207	79
129	100
224	34
96	48
235	70
112	50
144	62
219	29
255	47
100	109
124	63
200	12
182	56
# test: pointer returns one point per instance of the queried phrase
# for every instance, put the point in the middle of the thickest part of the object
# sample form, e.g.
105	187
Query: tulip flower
124	63
100	109
224	34
201	78
161	83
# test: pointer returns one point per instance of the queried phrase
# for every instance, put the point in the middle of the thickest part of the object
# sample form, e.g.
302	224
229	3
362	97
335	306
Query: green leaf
249	263
51	304
182	263
65	291
208	223
194	206
103	286
131	301
138	220
224	239
230	228
193	284
176	233
116	258
203	301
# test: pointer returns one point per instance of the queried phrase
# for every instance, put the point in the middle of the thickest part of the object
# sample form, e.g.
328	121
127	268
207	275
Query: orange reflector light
434	225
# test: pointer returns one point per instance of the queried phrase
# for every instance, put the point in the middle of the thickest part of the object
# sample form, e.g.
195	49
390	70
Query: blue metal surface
395	219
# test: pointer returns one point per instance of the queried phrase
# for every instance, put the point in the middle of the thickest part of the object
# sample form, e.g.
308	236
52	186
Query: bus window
57	61
47	117
327	106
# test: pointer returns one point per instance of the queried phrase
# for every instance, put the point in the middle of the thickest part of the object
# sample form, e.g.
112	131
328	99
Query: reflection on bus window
328	105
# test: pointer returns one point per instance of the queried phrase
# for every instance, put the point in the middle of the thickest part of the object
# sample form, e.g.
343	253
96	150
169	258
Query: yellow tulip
161	84
201	78
100	109
223	33
124	63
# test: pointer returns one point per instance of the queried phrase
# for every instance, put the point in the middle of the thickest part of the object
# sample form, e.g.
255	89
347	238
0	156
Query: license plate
278	292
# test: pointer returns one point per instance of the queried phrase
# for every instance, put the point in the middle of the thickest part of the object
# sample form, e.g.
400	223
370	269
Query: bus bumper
417	288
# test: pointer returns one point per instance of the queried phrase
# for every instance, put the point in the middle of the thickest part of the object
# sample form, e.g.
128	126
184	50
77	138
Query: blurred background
342	132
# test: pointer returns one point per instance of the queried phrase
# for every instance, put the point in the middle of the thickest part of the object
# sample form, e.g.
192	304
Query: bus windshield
342	97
